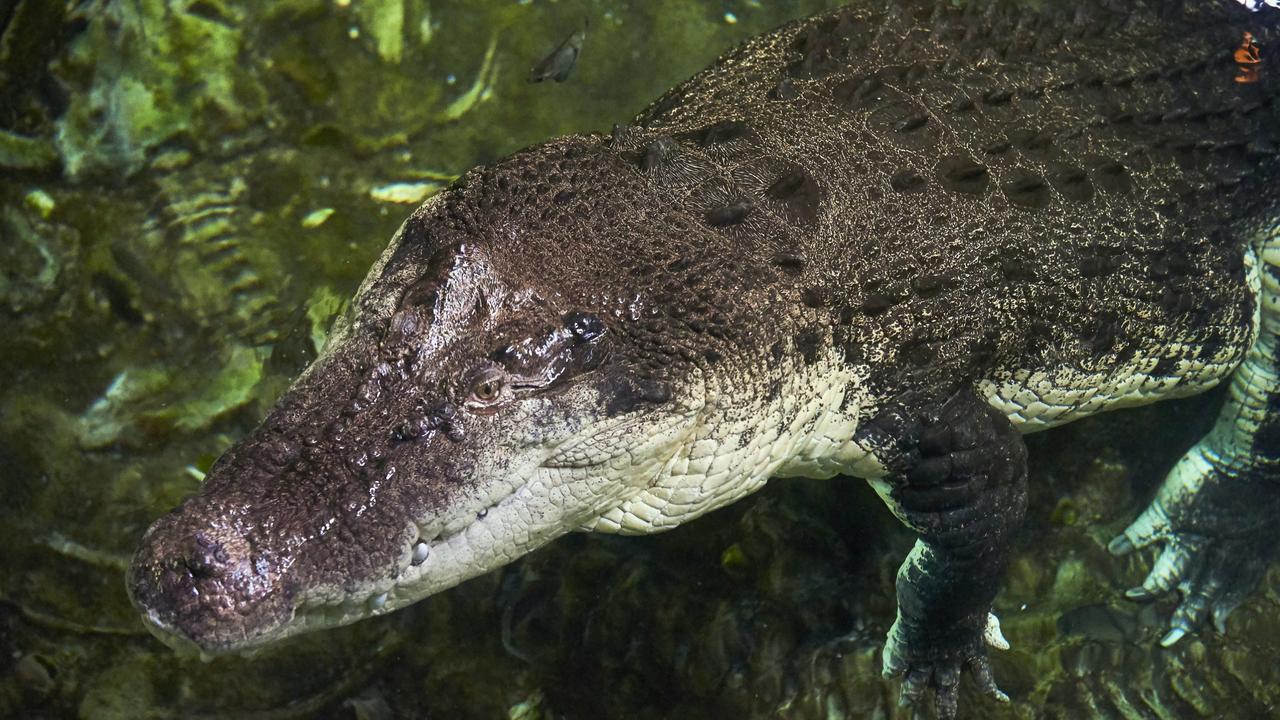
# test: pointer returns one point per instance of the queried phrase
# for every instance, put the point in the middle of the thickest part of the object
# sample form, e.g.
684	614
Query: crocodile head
508	373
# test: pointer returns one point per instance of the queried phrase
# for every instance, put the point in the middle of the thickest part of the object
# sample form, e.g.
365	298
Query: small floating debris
316	218
730	18
42	202
560	62
170	160
64	545
405	192
480	90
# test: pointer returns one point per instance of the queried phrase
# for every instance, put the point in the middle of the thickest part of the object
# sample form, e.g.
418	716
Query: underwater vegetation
190	190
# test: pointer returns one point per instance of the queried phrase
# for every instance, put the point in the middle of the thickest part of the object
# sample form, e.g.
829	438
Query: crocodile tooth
420	552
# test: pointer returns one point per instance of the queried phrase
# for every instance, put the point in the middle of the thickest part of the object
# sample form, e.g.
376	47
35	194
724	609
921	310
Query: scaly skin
881	242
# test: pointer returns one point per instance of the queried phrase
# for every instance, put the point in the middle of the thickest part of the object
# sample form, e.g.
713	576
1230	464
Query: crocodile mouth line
387	595
382	597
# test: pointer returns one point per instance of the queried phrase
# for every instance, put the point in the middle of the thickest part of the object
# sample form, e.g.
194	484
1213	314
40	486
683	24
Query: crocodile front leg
958	478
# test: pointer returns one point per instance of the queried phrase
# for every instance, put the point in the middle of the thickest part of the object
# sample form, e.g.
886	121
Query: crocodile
883	242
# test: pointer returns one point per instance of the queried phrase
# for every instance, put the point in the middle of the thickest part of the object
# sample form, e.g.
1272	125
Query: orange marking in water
1249	59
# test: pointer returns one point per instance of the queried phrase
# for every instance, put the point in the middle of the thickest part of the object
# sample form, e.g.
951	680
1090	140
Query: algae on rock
145	72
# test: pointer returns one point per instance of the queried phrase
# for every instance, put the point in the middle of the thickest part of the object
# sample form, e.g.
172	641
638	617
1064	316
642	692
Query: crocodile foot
925	660
1216	530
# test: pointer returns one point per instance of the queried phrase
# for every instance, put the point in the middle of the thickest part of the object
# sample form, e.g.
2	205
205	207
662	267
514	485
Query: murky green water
189	189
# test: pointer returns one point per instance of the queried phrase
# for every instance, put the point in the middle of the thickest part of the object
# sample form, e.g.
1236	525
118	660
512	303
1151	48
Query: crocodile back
1055	205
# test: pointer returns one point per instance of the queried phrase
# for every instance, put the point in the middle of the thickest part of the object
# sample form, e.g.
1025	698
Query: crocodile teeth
420	553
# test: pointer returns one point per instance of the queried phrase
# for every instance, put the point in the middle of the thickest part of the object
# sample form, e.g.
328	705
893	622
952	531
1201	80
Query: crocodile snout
204	589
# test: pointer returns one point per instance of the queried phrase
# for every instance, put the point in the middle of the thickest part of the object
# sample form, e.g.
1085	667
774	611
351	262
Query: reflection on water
189	190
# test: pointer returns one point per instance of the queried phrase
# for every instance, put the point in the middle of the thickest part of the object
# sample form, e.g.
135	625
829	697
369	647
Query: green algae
174	287
149	71
24	153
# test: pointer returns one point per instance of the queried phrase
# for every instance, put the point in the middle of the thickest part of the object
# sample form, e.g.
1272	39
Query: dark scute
1026	188
730	214
1165	366
854	353
1032	142
963	174
918	351
627	395
1095	266
907	180
1104	333
799	195
1158	268
1015	268
876	303
808	343
926	286
1073	182
789	261
619	133
1119	117
423	291
824	46
721	132
681	263
996	147
1260	149
856	92
1174	301
665	104
657	152
998	97
785	90
813	297
1110	175
915	122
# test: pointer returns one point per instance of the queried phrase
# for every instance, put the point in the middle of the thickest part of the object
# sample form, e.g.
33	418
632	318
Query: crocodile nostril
205	557
197	568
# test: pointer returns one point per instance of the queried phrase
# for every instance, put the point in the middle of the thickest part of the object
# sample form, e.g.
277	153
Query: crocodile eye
487	387
487	390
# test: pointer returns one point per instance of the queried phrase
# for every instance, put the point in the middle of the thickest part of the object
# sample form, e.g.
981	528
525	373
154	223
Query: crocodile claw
1214	560
922	666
